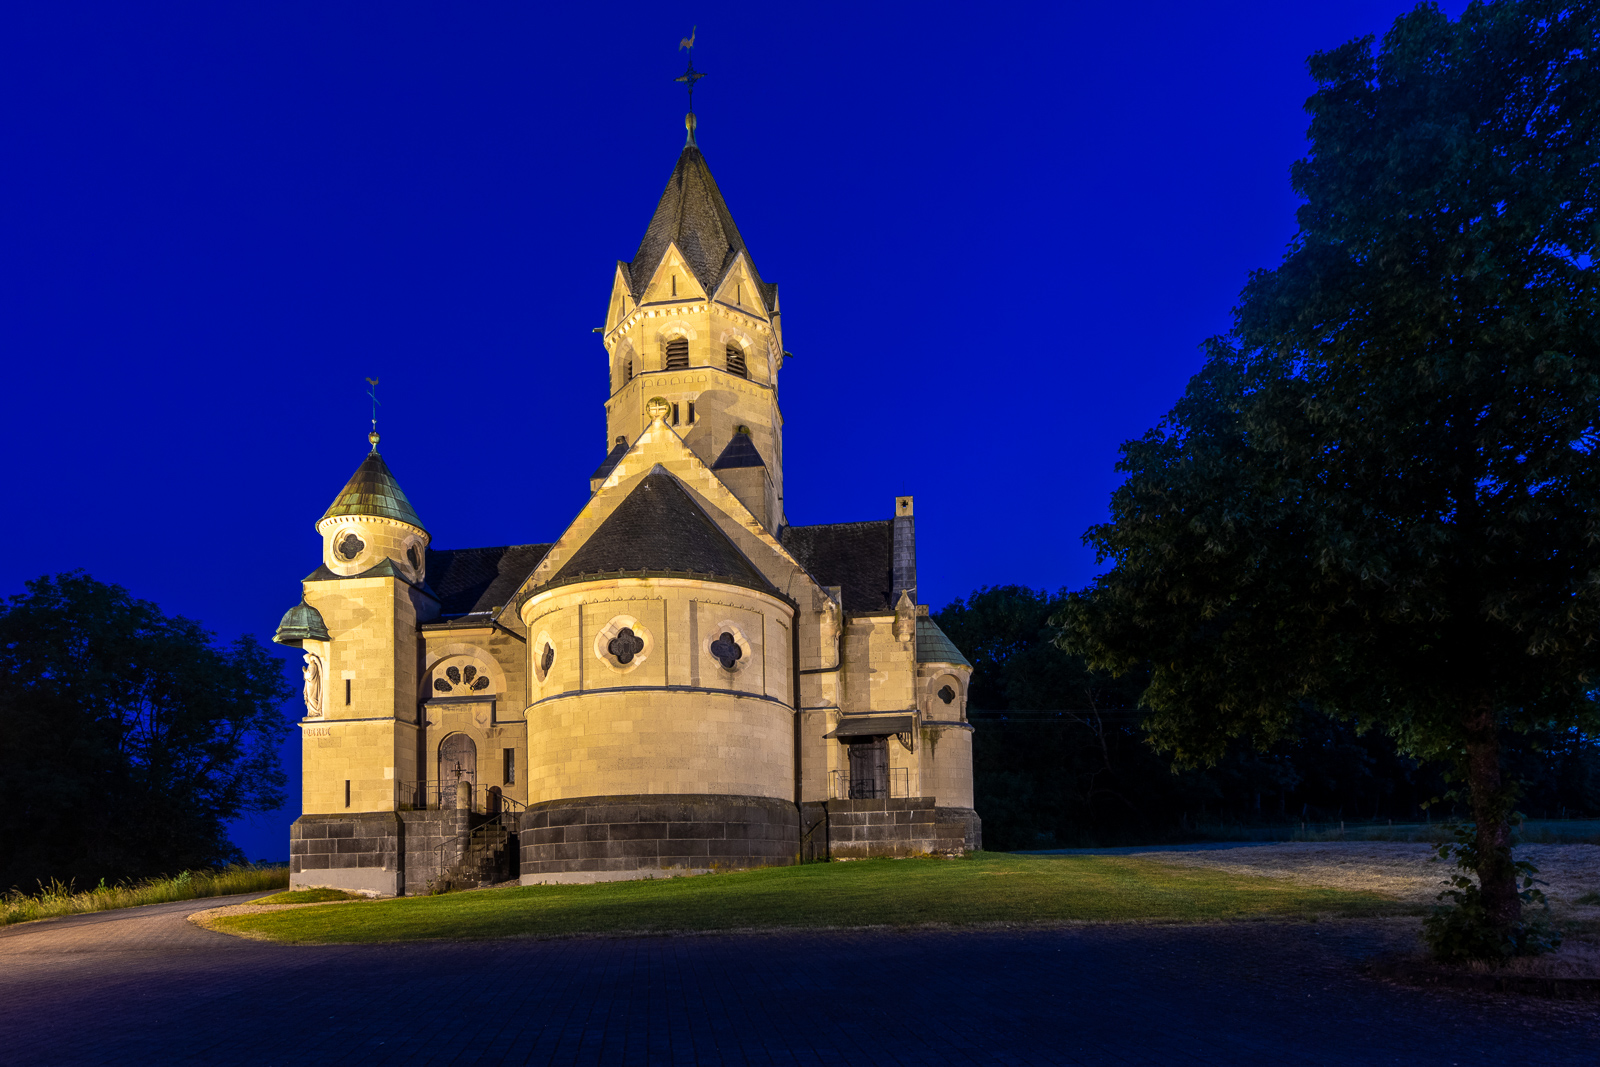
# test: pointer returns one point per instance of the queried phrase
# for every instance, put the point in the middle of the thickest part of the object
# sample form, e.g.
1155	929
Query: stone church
680	682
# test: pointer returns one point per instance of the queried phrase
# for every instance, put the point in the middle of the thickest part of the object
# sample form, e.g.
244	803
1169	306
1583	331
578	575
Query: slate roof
469	580
934	647
659	530
741	452
372	490
693	215
858	556
613	457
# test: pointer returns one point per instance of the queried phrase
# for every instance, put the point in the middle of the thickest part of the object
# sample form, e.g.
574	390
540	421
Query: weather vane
690	75
372	392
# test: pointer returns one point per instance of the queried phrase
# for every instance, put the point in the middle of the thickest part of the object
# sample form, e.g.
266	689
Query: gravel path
1402	869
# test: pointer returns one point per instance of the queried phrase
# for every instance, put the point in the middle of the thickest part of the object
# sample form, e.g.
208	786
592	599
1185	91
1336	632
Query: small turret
370	521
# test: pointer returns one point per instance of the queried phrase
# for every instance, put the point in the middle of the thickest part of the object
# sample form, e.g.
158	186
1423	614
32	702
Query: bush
1463	930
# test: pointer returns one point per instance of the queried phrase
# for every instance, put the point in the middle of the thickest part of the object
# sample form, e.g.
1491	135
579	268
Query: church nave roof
477	580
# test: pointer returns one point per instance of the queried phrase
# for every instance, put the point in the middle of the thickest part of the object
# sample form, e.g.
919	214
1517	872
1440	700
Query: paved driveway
145	986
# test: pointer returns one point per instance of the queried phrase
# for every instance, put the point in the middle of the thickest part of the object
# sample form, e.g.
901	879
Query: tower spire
689	77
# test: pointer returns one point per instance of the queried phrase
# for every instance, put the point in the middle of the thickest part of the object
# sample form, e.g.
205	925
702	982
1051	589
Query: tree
130	738
1380	493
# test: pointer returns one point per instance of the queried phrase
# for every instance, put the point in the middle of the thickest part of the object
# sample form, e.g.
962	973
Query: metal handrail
896	785
434	795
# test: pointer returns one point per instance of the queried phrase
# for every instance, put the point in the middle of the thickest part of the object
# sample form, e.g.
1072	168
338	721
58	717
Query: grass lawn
985	888
307	896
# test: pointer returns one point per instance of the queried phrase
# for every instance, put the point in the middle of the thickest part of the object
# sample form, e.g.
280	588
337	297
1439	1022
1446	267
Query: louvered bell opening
736	363
677	353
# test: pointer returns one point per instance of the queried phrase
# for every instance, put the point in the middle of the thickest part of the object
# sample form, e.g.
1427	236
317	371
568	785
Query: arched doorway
458	762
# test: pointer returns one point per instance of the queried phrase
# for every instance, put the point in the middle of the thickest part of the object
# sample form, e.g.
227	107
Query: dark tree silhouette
129	738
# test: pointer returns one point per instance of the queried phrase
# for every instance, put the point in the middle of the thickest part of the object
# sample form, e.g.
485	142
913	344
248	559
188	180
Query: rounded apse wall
659	687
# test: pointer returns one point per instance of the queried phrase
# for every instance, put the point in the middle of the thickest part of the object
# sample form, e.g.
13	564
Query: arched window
677	353
736	364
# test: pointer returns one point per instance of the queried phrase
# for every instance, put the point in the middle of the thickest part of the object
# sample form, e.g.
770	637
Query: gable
740	289
620	305
672	280
660	446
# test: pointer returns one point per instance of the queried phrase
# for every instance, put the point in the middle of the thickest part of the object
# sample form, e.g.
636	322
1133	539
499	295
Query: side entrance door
458	762
869	768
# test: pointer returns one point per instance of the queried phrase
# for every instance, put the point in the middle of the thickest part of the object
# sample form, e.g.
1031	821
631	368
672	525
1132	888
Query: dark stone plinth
902	826
361	851
640	836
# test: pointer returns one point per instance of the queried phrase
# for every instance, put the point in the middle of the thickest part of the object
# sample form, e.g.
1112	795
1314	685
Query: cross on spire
690	75
372	392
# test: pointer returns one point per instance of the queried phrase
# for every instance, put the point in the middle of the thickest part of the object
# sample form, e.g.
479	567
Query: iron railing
895	782
441	796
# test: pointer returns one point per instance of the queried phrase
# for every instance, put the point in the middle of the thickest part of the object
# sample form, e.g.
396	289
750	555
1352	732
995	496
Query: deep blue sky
1000	232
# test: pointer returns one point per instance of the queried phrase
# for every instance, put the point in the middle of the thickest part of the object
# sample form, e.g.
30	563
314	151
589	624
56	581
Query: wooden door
869	768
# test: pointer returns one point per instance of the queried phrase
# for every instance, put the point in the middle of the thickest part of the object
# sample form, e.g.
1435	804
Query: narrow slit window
677	353
674	414
347	692
738	295
347	792
736	364
691	413
509	756
674	285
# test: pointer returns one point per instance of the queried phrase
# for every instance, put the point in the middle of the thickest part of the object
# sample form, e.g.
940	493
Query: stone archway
458	762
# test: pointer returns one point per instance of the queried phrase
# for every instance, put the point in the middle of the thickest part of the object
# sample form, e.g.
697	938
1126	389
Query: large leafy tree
1380	496
129	738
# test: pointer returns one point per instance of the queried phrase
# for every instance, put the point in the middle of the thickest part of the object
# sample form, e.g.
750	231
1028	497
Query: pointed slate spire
372	490
692	215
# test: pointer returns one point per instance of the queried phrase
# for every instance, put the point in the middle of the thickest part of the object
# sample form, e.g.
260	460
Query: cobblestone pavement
145	986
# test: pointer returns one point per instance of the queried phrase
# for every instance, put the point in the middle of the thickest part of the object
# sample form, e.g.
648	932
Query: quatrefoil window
946	694
548	658
461	677
350	546
414	557
727	651
625	645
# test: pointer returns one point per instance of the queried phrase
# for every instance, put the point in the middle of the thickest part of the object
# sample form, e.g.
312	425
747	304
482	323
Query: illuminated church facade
681	681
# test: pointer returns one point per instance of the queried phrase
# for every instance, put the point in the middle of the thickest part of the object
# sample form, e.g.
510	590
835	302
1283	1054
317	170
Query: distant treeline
1060	756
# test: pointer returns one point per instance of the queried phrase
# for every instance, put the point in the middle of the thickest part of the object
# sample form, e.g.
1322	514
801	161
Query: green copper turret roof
934	647
372	490
301	623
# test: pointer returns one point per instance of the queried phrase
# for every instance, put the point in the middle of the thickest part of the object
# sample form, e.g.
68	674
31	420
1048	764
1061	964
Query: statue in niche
313	676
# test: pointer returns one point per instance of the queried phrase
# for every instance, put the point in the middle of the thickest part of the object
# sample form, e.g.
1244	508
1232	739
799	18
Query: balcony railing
895	782
441	796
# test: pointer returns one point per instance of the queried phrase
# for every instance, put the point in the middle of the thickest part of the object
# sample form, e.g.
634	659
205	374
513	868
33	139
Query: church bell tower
693	333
